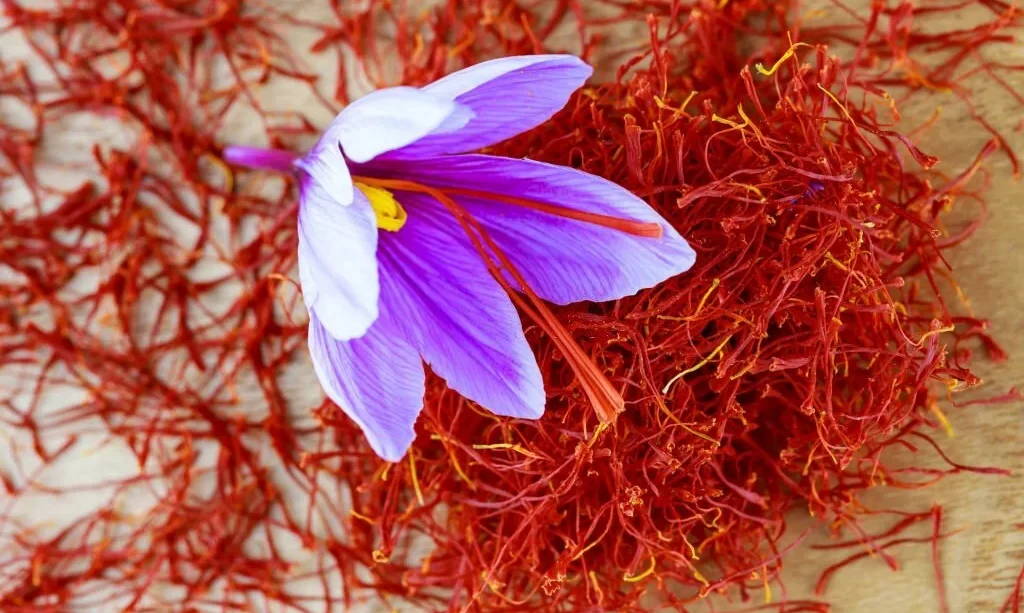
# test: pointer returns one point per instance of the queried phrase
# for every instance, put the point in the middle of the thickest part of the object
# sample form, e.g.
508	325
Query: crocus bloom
392	279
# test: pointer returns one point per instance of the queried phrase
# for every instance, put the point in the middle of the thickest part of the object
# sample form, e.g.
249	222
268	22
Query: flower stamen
390	213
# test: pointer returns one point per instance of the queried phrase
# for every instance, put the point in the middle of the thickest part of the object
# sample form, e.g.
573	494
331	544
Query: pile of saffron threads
148	305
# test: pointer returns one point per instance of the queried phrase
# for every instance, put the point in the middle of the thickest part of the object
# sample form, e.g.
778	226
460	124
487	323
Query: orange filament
605	398
636	228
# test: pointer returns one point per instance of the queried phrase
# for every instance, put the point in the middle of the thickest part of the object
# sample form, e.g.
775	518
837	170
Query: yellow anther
390	214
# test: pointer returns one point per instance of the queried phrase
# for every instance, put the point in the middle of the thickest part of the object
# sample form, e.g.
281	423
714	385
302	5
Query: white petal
325	164
338	260
392	118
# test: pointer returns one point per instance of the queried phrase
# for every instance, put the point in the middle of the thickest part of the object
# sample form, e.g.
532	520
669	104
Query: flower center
390	214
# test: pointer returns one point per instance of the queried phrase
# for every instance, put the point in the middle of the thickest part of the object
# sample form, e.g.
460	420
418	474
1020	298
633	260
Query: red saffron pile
147	307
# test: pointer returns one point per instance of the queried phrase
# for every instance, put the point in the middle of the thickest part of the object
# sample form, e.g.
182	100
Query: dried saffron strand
795	409
1013	601
636	228
873	547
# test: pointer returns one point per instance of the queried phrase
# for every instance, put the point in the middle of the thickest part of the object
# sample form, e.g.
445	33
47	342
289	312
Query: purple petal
338	260
508	96
451	309
377	380
562	260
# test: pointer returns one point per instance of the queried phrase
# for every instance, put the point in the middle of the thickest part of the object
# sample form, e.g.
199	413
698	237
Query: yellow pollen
390	214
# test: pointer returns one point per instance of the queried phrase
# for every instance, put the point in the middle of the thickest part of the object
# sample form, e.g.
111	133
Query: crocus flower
391	277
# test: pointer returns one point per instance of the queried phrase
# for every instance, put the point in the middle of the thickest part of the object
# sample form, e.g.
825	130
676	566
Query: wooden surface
981	563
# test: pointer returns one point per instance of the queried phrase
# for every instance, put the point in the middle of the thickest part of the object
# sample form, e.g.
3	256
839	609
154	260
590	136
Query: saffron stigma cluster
413	249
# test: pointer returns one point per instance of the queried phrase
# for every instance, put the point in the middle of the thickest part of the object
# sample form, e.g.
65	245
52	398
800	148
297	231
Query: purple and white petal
338	260
385	120
508	96
453	311
377	380
562	260
327	166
